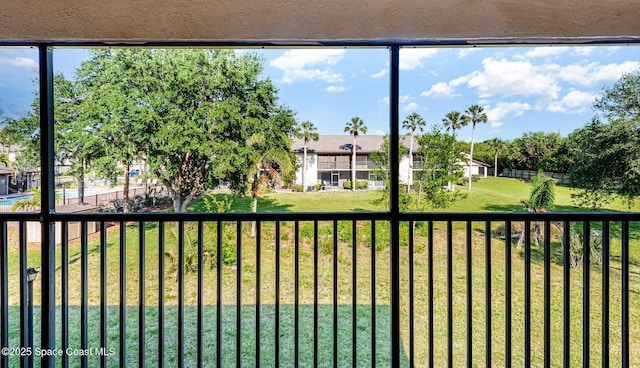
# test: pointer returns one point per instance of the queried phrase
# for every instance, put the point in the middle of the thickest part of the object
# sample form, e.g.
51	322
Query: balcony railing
161	289
333	165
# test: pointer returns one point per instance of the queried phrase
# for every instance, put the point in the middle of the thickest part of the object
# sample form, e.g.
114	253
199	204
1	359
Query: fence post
394	203
47	247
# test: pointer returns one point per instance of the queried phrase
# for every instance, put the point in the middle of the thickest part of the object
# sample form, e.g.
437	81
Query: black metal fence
316	290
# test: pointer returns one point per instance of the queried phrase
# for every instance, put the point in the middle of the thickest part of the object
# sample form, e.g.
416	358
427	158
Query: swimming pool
69	193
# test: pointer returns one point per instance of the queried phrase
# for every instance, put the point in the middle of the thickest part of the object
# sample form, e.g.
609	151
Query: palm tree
412	122
354	127
495	144
4	159
474	114
266	167
454	120
30	204
307	132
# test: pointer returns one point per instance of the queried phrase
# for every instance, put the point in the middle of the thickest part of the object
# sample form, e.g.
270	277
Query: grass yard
487	195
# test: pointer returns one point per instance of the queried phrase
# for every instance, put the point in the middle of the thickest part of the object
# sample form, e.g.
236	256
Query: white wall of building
475	170
405	176
311	175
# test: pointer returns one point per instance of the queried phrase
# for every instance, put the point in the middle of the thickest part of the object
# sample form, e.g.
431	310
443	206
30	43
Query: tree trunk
450	185
353	165
495	165
473	132
304	169
80	190
254	209
125	189
410	171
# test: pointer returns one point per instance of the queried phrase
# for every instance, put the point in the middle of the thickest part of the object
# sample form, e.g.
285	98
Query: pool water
69	193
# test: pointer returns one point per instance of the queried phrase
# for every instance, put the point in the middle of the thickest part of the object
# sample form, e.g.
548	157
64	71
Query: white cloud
543	51
497	114
583	51
335	89
384	100
405	98
380	74
595	73
440	90
513	78
573	102
19	62
412	106
411	58
380	132
463	53
309	65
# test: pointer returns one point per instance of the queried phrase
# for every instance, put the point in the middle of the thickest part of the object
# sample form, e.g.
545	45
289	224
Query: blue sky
521	88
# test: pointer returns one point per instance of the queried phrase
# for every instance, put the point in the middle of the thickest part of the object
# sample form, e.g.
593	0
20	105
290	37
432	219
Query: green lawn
487	195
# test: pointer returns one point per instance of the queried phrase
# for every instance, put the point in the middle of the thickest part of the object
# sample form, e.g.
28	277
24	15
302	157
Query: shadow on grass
248	335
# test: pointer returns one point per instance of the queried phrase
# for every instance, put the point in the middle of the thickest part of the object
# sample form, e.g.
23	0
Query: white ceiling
424	21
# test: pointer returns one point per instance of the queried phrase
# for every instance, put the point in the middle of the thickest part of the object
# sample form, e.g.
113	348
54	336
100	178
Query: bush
474	178
362	184
297	188
347	184
317	187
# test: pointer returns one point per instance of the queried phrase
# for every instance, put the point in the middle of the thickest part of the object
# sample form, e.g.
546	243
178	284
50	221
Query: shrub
362	184
475	178
317	187
347	184
297	188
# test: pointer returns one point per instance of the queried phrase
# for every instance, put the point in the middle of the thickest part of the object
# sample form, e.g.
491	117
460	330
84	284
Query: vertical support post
394	209
47	247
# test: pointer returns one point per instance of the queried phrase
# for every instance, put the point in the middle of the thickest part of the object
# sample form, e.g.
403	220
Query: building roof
343	143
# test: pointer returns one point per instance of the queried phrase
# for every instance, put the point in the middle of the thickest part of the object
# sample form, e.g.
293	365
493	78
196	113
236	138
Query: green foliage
382	171
576	248
440	158
453	120
212	204
538	151
317	187
191	113
606	154
32	203
297	188
542	195
413	122
620	101
362	184
209	246
475	178
606	162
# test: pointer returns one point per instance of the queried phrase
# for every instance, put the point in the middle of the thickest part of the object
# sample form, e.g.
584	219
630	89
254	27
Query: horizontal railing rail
306	289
